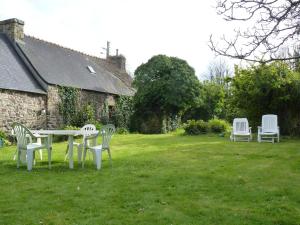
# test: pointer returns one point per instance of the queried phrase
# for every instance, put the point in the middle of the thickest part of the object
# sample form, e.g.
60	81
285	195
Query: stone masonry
38	111
14	28
96	99
23	107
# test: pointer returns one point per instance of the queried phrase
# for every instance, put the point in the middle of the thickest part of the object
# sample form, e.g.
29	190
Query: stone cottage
31	70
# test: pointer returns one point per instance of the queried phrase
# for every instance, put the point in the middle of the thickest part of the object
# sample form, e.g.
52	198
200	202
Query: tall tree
274	24
165	86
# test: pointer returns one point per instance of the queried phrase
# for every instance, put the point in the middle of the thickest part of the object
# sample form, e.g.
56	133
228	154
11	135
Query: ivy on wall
68	104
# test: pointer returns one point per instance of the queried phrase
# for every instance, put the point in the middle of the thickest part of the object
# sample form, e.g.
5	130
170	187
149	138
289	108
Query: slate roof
14	74
62	66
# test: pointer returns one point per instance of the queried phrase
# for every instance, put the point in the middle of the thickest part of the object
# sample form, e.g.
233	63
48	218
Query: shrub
98	125
2	135
193	127
122	130
84	116
218	126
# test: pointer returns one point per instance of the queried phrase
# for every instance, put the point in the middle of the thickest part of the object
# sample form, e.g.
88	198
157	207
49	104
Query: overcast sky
140	29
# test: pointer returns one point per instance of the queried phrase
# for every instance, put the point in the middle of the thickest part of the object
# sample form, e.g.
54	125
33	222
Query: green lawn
158	179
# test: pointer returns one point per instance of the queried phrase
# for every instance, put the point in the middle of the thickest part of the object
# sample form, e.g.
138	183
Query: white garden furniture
107	131
30	141
269	130
26	148
70	133
241	130
86	130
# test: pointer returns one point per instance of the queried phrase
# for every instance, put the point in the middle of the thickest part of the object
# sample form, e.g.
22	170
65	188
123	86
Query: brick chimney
14	28
119	61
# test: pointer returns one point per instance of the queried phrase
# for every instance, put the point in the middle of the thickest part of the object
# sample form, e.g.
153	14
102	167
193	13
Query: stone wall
26	108
23	107
85	97
54	119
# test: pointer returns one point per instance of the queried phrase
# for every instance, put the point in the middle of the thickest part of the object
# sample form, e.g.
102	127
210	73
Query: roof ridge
67	48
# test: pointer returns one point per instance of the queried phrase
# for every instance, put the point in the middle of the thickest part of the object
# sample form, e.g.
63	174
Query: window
91	69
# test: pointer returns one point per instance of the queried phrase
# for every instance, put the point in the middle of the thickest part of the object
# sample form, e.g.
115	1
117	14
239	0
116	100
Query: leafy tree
273	24
268	89
166	86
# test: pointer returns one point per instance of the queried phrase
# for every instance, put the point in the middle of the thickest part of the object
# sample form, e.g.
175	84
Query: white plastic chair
38	140
87	130
107	131
27	148
241	130
269	130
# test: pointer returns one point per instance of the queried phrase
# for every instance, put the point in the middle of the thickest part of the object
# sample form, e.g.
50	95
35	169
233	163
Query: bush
193	127
218	126
2	135
84	116
122	130
98	125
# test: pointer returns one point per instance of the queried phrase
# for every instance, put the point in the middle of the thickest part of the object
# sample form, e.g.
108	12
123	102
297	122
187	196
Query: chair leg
109	155
16	154
49	157
29	159
79	153
18	158
98	158
84	155
67	151
41	154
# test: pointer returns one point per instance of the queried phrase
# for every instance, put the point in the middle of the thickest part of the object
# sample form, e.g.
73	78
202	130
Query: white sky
140	29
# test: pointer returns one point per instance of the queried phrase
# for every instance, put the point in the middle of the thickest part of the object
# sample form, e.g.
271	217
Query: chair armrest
250	129
259	129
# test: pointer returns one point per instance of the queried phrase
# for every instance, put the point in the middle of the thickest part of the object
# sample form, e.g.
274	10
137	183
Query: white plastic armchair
107	131
86	130
269	129
241	130
27	148
30	140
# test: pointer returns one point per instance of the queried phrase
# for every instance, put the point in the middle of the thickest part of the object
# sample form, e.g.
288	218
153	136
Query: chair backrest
269	123
107	131
240	125
22	133
88	129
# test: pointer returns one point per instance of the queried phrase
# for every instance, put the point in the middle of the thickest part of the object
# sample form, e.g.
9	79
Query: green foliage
268	89
85	115
105	113
122	130
68	104
98	125
3	136
193	127
218	126
165	86
213	101
123	112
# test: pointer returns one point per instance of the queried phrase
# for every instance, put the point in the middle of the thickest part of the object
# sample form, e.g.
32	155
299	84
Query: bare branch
275	24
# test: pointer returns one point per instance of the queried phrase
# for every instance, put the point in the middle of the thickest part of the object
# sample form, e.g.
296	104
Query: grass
159	179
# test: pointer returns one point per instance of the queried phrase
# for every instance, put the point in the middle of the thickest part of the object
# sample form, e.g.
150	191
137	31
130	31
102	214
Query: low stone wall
23	107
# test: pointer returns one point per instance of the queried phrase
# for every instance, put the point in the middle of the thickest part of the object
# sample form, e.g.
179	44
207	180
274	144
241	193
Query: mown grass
158	179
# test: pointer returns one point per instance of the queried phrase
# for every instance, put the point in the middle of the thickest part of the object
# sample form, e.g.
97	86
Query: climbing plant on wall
68	104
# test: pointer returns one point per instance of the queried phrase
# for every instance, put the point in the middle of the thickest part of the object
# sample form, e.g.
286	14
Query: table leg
71	163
